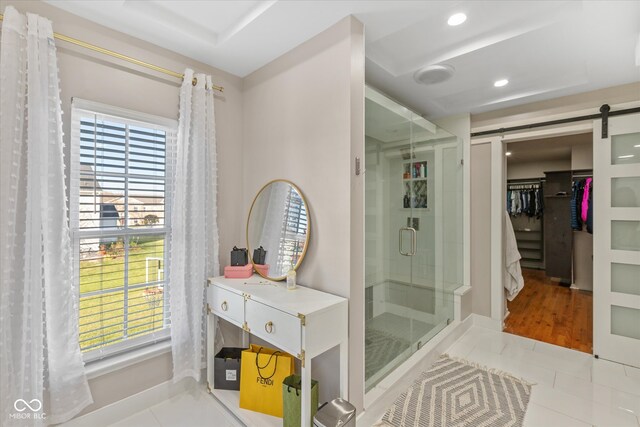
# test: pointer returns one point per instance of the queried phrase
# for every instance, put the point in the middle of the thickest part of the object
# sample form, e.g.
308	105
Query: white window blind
294	230
121	164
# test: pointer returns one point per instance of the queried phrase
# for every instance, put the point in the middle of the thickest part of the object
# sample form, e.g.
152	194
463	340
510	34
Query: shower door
413	232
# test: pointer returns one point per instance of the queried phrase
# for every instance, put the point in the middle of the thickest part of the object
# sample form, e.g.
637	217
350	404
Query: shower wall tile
398	294
422	299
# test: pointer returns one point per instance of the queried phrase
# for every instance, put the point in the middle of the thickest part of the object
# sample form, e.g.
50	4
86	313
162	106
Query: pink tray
238	272
262	269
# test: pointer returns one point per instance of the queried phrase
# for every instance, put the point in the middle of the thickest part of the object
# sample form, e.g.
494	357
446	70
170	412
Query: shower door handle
413	241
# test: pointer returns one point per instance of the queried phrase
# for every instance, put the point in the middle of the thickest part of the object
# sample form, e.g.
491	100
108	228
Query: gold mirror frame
306	242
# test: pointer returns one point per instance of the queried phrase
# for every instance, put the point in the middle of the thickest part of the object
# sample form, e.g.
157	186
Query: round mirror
277	229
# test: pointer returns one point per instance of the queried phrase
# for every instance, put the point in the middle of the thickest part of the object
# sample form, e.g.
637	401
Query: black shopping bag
226	365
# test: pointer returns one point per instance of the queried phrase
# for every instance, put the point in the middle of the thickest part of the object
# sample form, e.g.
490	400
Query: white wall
481	229
303	121
536	169
92	76
582	156
481	164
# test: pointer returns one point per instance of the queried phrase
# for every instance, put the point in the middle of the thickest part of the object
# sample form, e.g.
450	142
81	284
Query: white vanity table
303	322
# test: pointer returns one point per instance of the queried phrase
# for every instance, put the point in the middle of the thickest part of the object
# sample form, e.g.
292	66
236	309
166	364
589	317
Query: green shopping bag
292	400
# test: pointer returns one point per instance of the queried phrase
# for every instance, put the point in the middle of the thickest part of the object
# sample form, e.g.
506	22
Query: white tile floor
189	409
572	388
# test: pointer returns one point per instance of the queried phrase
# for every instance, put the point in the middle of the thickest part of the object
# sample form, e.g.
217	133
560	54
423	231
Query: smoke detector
433	74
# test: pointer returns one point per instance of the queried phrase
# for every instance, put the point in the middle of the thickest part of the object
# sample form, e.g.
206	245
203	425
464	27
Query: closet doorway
549	206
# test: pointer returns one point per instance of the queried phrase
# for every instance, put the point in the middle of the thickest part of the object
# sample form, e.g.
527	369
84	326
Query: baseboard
131	405
486	322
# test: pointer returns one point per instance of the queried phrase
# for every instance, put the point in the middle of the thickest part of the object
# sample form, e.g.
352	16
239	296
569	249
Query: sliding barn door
616	240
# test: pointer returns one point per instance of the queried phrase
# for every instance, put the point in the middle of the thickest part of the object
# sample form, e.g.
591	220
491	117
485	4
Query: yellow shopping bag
262	371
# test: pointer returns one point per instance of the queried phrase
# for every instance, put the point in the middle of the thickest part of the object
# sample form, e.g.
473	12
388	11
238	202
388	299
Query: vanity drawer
275	326
227	305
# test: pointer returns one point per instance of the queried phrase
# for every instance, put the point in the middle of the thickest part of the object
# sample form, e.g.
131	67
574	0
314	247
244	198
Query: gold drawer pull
224	306
268	327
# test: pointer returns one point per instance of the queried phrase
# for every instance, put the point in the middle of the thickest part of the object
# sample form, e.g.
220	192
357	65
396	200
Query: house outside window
121	169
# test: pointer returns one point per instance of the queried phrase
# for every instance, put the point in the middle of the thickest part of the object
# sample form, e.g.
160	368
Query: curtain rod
603	115
122	57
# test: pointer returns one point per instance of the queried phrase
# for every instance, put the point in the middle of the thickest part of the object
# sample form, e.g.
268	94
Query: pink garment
585	200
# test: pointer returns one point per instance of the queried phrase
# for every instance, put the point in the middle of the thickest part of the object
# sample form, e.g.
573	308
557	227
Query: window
119	205
294	230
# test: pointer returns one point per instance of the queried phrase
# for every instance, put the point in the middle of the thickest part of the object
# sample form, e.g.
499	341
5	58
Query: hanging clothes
540	202
585	199
576	223
524	201
590	210
582	205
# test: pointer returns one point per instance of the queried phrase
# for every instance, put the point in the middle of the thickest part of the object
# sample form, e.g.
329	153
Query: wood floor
546	311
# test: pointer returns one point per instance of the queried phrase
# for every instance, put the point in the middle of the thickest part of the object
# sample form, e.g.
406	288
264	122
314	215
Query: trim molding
97	368
486	322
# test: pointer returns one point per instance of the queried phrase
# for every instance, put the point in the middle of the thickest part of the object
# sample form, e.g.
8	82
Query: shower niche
413	232
415	184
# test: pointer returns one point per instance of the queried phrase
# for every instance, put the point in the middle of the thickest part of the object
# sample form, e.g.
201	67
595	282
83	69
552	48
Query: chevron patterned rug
458	393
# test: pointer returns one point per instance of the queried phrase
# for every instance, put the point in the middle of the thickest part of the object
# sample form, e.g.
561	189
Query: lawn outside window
121	164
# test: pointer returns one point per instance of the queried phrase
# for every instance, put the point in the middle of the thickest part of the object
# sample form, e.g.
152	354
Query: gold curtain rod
123	57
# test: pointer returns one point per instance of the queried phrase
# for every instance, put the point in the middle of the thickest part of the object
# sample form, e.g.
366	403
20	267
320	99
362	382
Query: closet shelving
528	230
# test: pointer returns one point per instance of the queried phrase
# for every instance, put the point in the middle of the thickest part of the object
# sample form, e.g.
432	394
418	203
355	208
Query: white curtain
40	358
194	231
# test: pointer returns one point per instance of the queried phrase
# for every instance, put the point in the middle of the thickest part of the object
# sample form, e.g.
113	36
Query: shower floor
386	337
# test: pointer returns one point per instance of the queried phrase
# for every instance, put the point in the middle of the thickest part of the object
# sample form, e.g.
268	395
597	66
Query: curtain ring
194	81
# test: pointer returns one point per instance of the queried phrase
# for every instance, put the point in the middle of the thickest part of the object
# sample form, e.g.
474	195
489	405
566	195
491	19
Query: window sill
105	366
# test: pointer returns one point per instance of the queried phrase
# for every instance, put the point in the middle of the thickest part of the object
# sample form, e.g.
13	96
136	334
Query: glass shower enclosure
413	232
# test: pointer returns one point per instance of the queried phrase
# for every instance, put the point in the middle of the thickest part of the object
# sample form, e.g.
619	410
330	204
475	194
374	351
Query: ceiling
547	149
545	49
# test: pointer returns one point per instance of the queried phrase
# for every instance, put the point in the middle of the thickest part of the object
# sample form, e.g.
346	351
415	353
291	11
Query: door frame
498	186
498	192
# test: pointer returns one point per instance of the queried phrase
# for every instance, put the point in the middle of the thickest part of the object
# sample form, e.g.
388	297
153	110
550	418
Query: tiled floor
572	388
190	409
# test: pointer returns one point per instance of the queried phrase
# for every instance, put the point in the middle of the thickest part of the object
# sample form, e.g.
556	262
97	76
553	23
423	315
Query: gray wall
303	121
92	76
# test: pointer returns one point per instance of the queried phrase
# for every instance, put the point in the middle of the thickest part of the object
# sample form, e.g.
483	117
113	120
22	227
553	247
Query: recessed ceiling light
456	19
508	153
636	146
501	82
628	156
